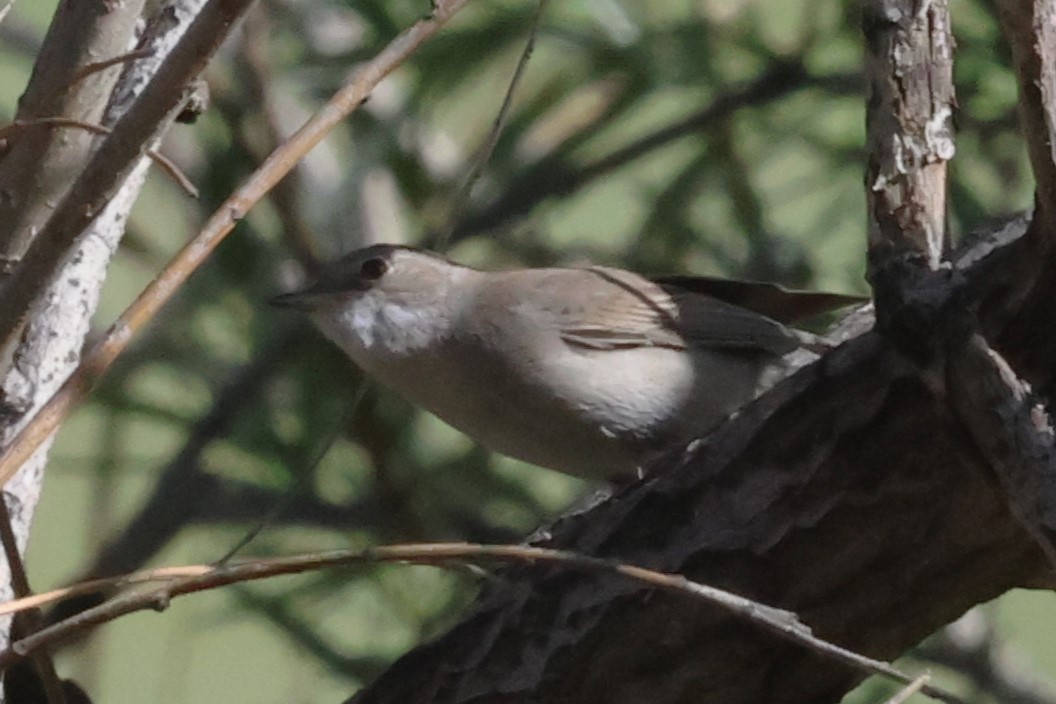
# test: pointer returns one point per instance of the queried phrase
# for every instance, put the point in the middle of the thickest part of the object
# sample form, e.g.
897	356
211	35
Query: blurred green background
716	136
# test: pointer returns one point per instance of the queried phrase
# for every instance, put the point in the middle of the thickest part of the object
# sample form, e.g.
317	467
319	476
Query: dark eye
373	269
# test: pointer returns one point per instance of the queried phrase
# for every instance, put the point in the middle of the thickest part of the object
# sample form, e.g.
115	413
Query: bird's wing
784	305
711	323
628	311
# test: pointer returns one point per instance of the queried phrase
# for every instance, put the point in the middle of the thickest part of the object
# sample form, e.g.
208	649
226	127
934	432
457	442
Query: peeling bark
909	52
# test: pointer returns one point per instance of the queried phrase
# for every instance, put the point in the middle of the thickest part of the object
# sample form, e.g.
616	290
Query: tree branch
1030	29
188	580
909	118
41	165
112	162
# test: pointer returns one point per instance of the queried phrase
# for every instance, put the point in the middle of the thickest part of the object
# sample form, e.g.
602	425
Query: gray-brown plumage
582	370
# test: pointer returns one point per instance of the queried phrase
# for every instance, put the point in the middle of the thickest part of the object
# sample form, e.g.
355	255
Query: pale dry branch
37	172
483	156
161	160
198	578
909	690
909	116
1030	30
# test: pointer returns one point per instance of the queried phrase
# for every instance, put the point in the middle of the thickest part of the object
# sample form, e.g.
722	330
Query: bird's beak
306	300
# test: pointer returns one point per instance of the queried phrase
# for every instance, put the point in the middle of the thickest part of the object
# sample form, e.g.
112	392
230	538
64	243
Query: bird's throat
373	326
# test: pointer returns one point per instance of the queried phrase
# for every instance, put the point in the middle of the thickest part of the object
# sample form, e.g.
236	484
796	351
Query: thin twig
32	619
285	499
6	8
19	580
257	76
164	162
97	66
488	148
909	690
103	584
784	624
278	164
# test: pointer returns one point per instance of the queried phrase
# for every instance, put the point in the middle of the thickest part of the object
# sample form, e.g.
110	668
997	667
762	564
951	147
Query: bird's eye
373	269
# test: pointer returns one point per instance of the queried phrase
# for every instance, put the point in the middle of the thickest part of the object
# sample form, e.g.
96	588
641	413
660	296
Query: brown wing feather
630	311
772	300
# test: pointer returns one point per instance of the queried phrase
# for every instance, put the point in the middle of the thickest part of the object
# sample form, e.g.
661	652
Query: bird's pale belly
600	429
513	419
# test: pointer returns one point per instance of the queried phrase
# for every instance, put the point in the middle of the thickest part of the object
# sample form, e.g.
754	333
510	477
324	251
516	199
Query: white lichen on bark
51	343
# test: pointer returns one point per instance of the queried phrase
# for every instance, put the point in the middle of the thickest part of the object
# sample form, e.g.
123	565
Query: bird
590	370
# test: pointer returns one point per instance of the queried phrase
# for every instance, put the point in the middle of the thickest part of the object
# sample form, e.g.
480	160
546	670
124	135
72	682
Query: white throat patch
385	326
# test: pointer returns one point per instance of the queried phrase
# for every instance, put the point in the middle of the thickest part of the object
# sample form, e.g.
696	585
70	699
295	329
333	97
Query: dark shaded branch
819	499
1011	428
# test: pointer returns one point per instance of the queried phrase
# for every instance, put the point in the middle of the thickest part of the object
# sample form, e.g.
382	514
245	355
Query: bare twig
488	148
779	622
909	690
142	310
5	9
97	66
1030	29
162	161
32	619
103	584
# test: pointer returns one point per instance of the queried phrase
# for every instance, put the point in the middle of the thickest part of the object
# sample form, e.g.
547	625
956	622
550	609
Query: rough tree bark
37	168
878	493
